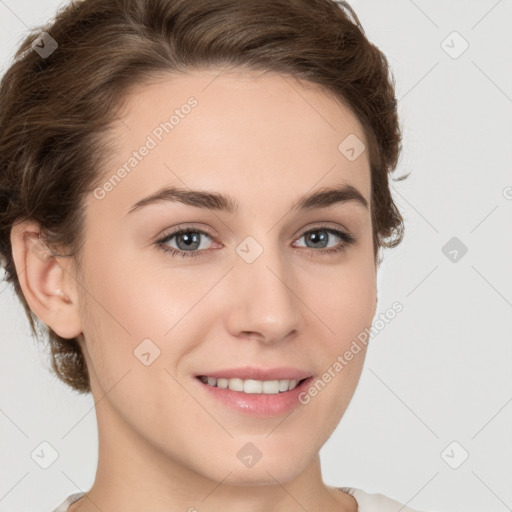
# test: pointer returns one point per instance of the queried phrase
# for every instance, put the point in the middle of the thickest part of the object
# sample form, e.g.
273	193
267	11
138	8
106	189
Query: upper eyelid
176	231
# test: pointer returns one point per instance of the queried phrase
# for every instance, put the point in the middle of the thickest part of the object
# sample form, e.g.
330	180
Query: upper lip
251	372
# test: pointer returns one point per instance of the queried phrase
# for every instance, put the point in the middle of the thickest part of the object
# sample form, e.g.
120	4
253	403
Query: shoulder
63	507
375	502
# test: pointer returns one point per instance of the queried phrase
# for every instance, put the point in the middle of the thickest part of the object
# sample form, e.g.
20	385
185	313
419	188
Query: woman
193	198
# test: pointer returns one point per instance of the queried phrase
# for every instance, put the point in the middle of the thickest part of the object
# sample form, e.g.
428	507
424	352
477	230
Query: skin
163	443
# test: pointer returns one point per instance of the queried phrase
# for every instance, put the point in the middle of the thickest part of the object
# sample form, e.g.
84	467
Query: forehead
237	129
237	98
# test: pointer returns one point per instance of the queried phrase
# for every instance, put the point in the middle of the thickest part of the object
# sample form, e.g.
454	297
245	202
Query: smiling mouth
252	386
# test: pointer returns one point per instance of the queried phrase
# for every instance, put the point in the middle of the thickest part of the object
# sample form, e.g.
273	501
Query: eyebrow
322	198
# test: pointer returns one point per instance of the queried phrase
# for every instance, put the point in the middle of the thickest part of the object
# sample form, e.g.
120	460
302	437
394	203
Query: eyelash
347	238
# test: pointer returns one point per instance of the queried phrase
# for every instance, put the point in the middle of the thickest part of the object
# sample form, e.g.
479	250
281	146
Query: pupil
322	237
189	239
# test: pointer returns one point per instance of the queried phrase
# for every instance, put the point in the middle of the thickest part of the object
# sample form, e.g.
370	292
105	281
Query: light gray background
440	371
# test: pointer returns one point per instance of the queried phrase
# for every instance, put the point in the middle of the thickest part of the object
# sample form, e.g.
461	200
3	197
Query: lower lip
258	404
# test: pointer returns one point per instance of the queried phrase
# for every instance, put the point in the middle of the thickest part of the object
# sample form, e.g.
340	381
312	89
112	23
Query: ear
46	281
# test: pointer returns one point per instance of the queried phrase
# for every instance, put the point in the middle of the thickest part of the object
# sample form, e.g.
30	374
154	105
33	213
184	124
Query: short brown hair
56	110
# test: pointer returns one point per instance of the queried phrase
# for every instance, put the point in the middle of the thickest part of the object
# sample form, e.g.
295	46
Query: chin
277	465
262	475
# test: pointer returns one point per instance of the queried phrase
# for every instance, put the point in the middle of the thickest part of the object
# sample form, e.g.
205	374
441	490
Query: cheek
346	310
127	300
344	299
131	310
345	304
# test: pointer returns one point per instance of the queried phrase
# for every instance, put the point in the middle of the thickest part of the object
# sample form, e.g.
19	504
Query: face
262	285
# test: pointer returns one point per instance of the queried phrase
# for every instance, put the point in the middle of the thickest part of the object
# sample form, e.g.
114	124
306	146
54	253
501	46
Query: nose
265	303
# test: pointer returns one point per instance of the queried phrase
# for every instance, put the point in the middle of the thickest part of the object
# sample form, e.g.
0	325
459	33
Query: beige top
366	502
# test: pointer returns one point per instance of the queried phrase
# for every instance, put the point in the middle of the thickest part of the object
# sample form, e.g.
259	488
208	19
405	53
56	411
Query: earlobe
46	283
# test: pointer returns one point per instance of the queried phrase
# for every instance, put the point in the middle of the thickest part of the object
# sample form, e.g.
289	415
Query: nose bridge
266	301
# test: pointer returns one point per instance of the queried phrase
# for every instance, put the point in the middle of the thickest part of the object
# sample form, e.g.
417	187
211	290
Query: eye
188	241
312	237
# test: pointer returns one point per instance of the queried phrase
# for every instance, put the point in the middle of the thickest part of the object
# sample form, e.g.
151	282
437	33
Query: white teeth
270	387
251	386
283	385
235	384
222	383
